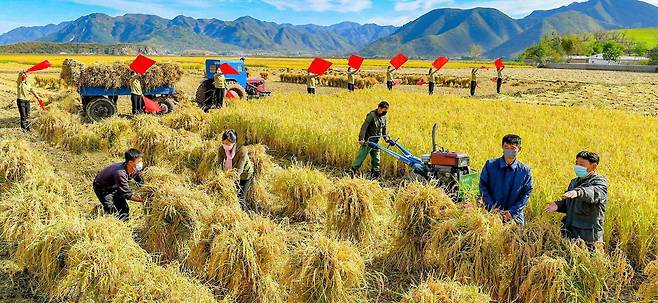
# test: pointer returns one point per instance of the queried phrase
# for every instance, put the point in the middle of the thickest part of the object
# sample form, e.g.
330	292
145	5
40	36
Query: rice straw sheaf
115	134
118	74
259	196
188	116
648	291
546	281
438	291
417	207
302	192
326	270
18	161
356	210
54	124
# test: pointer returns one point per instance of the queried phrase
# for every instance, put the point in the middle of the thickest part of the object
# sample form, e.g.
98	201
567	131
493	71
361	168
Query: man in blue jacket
506	183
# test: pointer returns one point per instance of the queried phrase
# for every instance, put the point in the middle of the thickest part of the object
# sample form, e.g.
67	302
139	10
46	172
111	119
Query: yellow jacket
23	90
311	82
389	74
219	80
135	86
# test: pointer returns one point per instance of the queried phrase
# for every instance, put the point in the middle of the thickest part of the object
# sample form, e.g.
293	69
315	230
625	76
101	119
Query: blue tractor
100	103
237	86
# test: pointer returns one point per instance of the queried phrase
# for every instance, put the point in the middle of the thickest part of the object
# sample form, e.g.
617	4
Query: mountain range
439	32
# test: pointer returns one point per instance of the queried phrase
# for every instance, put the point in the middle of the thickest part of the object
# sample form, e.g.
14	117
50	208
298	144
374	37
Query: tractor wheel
204	93
233	91
100	108
167	104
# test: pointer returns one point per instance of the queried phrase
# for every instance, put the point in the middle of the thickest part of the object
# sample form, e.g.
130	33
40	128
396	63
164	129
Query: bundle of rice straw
18	161
438	291
356	210
244	258
546	281
417	206
326	270
302	191
172	212
223	189
54	125
115	134
25	211
649	289
158	143
259	197
118	74
188	116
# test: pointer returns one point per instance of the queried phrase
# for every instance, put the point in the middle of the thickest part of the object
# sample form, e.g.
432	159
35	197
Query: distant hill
185	33
450	31
647	36
443	31
78	48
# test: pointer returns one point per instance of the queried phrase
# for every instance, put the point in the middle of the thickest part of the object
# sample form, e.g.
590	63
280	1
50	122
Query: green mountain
183	34
450	32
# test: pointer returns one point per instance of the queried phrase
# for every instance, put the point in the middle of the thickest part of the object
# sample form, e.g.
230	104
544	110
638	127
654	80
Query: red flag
399	60
483	67
397	82
319	66
355	62
499	63
421	83
141	64
151	106
227	69
440	62
43	107
40	66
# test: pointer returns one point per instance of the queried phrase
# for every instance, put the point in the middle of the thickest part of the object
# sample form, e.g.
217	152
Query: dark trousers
350	87
137	102
243	187
219	97
24	112
474	84
310	90
113	202
389	85
590	236
499	84
431	88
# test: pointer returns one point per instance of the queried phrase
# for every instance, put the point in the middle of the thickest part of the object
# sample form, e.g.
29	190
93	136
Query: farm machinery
99	103
237	86
446	169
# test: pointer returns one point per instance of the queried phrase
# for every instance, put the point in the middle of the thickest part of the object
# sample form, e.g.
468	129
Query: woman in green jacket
236	163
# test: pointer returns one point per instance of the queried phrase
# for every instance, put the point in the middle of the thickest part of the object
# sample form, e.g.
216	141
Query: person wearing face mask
111	184
506	183
236	163
584	202
373	128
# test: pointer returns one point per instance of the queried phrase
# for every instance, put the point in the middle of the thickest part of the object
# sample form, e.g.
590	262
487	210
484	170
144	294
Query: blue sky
14	13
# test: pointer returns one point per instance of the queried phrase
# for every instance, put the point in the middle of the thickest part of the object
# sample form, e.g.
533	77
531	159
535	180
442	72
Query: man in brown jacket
236	163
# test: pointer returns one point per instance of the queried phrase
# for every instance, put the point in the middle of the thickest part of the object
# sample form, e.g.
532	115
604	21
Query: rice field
319	236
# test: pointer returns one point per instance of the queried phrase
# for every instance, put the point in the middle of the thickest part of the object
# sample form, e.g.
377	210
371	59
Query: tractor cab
237	86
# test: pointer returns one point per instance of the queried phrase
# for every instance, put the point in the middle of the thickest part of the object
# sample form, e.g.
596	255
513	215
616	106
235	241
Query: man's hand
137	198
570	194
230	173
507	216
551	207
361	142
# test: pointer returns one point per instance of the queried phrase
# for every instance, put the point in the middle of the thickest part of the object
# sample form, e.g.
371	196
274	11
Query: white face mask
139	166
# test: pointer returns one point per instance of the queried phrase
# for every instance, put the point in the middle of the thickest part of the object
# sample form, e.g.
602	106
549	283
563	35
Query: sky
15	13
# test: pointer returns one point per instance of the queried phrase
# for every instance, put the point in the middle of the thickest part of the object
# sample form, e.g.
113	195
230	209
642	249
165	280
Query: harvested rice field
317	235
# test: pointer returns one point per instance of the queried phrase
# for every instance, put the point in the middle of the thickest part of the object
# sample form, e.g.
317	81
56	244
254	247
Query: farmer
350	78
24	89
111	184
506	183
311	82
474	80
236	163
499	79
390	75
373	128
584	202
136	95
432	78
219	81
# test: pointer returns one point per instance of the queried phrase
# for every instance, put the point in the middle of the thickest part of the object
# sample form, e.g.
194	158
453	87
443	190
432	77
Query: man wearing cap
24	89
373	128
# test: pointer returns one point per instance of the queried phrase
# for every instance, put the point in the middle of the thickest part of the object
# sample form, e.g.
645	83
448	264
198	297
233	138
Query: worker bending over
136	94
23	91
236	163
111	184
373	128
350	78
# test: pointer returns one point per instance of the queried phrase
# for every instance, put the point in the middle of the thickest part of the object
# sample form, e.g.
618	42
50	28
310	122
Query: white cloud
341	6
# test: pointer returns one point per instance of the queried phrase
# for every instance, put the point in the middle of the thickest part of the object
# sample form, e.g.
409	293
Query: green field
648	36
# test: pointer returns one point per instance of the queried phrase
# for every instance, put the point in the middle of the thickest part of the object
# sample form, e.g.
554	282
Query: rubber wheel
233	91
100	108
204	93
167	104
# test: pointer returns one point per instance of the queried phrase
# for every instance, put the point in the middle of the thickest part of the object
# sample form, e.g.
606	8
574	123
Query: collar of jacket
502	163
